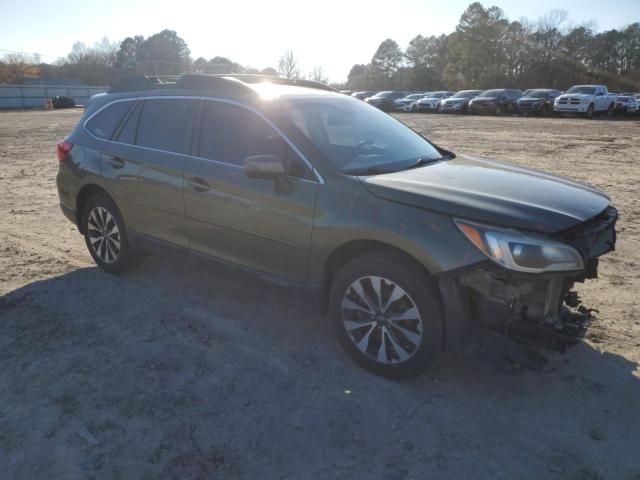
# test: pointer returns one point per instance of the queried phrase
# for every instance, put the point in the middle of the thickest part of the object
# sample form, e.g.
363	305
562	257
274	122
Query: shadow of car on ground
178	371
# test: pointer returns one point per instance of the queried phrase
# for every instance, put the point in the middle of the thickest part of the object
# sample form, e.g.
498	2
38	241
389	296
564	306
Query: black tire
102	233
589	112
419	291
498	110
414	109
609	112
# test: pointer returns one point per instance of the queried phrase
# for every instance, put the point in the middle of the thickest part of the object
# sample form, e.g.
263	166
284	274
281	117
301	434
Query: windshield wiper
426	161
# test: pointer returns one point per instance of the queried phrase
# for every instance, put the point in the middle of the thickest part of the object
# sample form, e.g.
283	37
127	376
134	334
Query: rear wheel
106	236
387	315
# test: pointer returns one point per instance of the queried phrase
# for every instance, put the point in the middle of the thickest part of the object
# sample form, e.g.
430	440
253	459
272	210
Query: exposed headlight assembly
521	252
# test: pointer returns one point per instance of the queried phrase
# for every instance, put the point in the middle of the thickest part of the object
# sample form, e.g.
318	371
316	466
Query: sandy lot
179	371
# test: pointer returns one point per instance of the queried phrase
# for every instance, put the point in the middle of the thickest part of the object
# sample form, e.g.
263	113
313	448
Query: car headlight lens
521	252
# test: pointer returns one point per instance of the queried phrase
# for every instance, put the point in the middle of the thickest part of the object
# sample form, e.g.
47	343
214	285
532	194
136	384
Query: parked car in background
385	100
459	102
626	105
431	102
527	92
497	101
585	100
539	100
63	102
408	103
364	94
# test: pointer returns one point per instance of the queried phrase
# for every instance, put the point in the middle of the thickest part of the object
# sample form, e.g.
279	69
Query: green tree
385	64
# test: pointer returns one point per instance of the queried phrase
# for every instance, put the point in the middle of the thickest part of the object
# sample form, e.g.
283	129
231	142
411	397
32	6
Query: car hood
493	192
576	95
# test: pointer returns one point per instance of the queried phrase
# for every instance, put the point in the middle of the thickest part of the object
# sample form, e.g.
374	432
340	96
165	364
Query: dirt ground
179	371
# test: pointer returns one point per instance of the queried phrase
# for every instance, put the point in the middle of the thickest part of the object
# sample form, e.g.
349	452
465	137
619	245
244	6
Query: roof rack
231	82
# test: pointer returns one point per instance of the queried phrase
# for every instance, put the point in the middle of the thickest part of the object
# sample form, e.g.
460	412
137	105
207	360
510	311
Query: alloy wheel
382	320
104	235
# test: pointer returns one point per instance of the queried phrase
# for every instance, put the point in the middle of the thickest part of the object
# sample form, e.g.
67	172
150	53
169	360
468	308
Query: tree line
164	53
487	50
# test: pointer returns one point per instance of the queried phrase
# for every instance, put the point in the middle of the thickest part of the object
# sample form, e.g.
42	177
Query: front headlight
585	100
521	252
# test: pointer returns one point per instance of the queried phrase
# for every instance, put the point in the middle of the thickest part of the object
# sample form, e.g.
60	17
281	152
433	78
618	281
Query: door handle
115	162
198	184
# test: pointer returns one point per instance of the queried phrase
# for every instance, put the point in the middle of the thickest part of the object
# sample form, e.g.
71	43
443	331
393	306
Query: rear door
263	225
158	138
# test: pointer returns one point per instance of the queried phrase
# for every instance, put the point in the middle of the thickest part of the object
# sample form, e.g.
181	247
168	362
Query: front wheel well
85	193
347	252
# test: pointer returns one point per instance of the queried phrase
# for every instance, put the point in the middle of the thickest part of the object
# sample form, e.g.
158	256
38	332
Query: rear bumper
70	214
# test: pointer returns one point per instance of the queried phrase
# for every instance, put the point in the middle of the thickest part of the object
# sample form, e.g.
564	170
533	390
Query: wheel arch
84	194
350	250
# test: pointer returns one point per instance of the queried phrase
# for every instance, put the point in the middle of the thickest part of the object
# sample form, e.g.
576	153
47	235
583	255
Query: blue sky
333	34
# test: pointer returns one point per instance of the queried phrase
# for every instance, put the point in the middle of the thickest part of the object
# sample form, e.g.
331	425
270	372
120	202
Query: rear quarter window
105	122
167	124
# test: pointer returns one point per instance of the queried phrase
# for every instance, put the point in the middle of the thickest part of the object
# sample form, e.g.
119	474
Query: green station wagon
404	245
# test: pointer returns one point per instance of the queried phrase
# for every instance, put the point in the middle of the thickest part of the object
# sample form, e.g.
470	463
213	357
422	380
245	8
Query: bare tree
288	65
318	75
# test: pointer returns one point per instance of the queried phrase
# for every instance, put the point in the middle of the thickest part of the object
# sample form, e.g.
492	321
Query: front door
264	225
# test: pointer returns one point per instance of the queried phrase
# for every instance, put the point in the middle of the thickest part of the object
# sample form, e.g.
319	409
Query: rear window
104	123
166	125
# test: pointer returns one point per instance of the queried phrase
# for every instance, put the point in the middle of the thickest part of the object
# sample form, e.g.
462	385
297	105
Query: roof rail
236	83
251	78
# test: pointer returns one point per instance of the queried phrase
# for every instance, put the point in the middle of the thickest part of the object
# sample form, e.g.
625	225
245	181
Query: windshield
538	94
491	93
356	138
463	94
583	90
436	94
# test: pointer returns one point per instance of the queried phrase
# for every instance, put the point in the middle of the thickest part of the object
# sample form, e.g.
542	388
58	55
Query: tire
609	112
498	110
589	112
414	109
410	344
106	236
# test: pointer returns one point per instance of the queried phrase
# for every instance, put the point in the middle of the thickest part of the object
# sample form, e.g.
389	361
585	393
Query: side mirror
268	167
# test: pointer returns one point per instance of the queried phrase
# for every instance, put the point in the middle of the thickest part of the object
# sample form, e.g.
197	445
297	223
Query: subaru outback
404	245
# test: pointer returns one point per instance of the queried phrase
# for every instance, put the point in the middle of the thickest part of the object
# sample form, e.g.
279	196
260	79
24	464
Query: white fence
35	96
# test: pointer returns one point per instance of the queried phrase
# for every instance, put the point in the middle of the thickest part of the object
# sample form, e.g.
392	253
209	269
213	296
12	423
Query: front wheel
589	113
387	315
498	110
105	235
610	110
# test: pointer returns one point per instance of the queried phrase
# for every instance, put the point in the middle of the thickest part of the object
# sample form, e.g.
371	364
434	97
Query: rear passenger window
230	133
166	125
105	122
128	131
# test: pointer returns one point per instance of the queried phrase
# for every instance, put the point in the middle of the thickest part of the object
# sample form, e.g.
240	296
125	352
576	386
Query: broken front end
525	292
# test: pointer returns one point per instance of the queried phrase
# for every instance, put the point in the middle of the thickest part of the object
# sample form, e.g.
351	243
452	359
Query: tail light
63	149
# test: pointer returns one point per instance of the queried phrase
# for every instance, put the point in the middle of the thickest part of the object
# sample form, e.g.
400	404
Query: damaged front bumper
529	307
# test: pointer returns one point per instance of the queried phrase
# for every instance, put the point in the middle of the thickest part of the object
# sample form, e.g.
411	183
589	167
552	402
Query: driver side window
229	133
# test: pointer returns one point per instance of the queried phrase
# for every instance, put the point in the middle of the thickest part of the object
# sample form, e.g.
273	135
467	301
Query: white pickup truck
585	100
